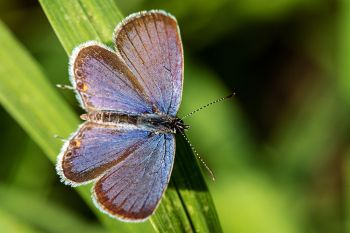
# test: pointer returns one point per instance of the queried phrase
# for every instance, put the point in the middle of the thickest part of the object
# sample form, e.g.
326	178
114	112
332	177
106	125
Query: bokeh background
279	149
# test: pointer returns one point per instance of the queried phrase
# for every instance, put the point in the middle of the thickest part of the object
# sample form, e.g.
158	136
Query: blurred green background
279	149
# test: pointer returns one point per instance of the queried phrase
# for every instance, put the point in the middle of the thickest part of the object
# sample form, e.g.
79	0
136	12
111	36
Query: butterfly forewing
150	44
104	82
132	189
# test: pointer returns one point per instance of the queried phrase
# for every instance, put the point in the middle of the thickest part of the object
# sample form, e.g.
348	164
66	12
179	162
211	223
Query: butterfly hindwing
132	189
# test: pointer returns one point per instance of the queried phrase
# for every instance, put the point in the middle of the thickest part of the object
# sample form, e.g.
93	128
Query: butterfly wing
150	44
95	148
104	82
132	189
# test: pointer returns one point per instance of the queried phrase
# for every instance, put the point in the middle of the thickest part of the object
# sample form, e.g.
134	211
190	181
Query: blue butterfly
126	145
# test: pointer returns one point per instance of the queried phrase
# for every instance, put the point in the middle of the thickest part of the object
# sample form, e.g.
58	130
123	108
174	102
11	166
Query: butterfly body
151	122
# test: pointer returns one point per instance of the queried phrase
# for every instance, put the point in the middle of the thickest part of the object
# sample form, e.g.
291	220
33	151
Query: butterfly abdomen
151	122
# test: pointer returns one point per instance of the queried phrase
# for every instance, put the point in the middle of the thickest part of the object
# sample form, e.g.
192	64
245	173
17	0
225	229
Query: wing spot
78	73
82	86
68	154
75	143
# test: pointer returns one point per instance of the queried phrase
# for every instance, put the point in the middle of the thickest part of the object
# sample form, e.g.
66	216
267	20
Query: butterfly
131	95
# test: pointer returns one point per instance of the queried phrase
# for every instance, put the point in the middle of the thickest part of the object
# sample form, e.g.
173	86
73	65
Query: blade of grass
39	212
28	167
100	19
30	99
9	224
36	106
78	21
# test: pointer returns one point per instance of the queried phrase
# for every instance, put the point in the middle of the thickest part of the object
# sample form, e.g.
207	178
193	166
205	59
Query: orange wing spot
75	143
82	86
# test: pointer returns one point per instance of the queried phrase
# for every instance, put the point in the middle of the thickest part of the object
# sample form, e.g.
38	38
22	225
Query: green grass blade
40	212
31	100
189	208
9	224
78	21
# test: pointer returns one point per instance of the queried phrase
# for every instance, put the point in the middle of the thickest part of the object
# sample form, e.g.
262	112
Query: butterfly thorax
152	122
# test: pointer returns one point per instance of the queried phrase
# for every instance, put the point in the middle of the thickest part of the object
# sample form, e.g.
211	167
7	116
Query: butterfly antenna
63	86
207	105
197	155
